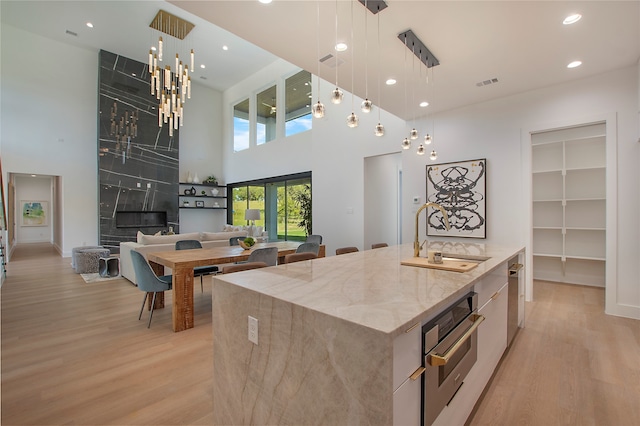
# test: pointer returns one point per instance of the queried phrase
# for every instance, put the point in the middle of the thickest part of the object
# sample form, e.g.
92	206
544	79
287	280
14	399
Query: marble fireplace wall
137	173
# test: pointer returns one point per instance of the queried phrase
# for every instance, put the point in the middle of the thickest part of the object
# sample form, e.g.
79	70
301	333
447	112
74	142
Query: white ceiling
521	43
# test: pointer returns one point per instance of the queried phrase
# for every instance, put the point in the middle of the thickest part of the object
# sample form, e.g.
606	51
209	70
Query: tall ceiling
523	45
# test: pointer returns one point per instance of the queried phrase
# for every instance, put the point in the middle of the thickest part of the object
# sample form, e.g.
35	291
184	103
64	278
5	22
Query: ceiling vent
203	77
71	33
331	61
486	82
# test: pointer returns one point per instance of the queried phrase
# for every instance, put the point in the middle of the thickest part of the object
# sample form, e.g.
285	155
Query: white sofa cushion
215	236
166	239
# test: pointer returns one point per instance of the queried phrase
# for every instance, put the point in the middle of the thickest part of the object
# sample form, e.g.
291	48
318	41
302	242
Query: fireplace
138	219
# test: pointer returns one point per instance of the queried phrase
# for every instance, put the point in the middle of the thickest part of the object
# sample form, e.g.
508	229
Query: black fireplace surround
138	171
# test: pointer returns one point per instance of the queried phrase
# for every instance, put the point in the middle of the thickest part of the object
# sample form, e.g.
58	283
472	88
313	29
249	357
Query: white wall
49	109
200	152
382	199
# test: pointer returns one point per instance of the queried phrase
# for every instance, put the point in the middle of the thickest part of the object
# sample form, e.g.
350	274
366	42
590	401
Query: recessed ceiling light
572	19
153	48
89	24
33	175
424	104
202	66
341	47
225	47
574	64
391	82
265	1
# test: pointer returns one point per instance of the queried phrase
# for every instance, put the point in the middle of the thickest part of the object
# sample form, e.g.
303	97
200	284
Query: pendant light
427	137
434	154
406	143
317	110
352	119
420	150
365	106
336	95
414	133
379	127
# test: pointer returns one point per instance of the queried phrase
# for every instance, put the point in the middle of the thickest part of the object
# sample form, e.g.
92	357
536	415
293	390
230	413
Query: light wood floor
75	354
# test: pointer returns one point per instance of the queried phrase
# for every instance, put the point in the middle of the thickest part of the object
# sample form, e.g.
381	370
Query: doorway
382	192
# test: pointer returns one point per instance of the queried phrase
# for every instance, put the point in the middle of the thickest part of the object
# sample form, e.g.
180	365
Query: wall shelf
208	200
569	205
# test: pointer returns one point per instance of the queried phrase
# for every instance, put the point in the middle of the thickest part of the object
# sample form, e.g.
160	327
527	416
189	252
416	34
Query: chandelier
171	86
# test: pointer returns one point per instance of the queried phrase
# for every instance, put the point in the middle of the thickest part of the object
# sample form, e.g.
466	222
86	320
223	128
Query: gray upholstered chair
345	250
198	271
379	245
299	257
237	267
268	255
308	248
233	241
148	281
314	239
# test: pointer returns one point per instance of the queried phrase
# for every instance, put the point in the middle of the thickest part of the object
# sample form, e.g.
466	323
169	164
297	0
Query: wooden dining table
182	263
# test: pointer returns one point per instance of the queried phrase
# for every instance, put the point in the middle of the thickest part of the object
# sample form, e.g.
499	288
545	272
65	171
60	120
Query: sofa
153	243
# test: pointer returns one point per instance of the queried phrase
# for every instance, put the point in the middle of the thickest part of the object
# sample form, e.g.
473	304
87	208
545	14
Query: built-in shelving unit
204	195
569	205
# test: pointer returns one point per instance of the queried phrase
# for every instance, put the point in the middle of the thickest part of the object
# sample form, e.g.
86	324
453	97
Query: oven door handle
438	360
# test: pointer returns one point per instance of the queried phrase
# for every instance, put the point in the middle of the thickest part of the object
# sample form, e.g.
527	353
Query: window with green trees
284	203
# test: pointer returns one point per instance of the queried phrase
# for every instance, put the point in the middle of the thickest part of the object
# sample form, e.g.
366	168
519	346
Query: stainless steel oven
450	349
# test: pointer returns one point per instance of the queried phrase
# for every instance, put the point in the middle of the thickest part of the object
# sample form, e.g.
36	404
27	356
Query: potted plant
211	180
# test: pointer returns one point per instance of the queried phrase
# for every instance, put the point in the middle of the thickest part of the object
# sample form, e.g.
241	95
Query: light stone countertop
371	288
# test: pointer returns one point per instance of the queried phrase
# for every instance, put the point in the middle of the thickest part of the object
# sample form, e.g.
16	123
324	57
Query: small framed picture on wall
199	203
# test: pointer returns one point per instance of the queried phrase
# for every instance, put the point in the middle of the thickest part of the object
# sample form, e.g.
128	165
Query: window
298	103
267	114
241	126
282	202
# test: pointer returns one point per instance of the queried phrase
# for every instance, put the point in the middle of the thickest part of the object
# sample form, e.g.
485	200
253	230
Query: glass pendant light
427	139
336	95
379	127
317	110
433	156
421	150
406	143
352	119
366	105
414	134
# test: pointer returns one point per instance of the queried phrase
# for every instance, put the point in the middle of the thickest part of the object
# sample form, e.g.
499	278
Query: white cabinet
492	342
569	204
407	362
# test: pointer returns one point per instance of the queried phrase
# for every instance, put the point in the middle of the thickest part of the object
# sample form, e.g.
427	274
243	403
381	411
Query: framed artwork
199	203
460	188
35	213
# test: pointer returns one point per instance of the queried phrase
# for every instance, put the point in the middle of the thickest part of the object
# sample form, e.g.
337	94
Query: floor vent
486	82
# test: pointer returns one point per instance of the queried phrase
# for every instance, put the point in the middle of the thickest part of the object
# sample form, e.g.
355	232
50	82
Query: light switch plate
253	330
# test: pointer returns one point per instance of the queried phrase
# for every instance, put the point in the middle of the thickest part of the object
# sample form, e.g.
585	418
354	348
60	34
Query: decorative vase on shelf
196	179
214	192
189	178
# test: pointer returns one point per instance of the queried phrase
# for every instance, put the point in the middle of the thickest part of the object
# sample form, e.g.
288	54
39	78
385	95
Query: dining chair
308	248
237	267
314	239
345	250
148	281
268	255
233	241
379	245
299	257
198	270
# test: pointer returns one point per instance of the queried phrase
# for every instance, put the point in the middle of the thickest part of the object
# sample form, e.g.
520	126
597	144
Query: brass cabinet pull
416	374
437	360
412	327
495	295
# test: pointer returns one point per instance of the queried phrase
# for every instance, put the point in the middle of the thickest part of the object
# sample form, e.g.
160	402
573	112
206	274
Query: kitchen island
338	337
